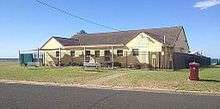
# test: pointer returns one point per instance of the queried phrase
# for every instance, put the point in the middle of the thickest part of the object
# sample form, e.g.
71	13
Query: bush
117	64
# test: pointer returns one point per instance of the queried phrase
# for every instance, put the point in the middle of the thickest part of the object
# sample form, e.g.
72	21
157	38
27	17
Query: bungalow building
144	48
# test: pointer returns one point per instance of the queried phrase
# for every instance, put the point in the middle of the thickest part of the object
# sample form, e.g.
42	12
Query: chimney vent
164	39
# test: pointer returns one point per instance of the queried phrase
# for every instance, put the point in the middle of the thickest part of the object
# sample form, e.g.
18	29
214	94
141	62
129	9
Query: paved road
16	96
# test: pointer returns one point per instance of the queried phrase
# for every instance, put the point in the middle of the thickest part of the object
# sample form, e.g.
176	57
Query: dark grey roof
122	37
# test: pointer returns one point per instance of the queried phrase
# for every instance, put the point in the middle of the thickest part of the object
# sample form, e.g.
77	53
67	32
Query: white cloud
206	4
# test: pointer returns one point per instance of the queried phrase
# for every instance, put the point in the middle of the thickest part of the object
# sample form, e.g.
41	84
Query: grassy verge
177	80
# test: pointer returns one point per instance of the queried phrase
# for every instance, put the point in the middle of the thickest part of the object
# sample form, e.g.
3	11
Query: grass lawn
69	75
177	80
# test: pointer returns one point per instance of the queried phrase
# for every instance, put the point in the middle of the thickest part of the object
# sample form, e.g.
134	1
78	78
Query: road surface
17	96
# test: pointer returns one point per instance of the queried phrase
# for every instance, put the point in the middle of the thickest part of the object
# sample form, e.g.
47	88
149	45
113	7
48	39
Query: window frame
87	52
107	53
57	53
135	52
73	53
120	53
97	53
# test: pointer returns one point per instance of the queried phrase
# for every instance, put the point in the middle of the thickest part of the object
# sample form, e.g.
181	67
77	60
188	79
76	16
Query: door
154	58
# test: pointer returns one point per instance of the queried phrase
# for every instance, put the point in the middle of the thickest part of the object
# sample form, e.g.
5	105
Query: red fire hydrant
194	71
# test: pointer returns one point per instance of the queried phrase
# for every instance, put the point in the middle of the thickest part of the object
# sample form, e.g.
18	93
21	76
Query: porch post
126	59
112	57
84	54
38	56
59	56
44	58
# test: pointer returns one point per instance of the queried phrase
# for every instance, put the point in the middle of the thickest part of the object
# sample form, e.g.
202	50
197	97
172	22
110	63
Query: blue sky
25	24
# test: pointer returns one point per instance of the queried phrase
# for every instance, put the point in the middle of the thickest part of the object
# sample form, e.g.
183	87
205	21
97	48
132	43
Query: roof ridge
61	37
130	30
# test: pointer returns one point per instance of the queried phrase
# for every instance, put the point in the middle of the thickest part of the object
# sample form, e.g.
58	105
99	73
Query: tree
81	32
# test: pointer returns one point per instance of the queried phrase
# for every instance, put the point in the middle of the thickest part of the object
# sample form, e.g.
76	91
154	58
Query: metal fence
182	60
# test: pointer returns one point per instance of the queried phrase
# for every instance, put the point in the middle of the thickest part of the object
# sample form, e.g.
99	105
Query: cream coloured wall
144	43
52	44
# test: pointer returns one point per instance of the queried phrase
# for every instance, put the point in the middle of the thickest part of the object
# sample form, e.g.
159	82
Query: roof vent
164	39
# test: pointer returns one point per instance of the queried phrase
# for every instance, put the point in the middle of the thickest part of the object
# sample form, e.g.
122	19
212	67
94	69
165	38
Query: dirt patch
104	79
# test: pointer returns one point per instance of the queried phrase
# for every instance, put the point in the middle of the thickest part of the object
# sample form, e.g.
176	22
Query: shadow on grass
209	80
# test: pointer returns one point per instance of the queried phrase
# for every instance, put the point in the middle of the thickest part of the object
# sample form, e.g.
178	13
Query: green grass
13	71
177	80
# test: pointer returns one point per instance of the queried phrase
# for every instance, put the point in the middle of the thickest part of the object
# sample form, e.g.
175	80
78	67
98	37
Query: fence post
19	56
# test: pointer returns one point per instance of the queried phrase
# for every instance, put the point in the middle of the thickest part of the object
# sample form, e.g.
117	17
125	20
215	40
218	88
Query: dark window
107	53
120	52
87	53
135	52
57	53
97	53
72	53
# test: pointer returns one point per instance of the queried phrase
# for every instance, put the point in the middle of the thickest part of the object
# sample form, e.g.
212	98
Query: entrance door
154	59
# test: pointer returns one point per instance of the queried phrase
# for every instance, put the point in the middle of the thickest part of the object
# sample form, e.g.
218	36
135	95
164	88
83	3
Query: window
57	53
135	52
119	52
87	53
72	53
107	53
97	53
